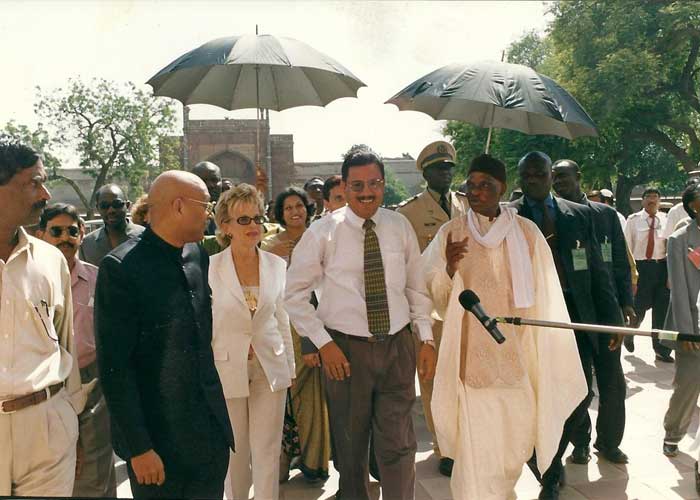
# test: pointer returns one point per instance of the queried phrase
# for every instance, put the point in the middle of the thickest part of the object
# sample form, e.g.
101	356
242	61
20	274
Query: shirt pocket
394	263
42	316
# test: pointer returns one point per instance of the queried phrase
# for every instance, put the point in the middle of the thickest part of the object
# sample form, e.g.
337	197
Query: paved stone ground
648	476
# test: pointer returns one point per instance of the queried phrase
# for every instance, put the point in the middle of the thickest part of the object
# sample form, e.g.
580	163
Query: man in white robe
494	404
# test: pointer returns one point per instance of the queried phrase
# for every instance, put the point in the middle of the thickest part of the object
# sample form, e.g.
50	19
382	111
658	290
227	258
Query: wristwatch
428	342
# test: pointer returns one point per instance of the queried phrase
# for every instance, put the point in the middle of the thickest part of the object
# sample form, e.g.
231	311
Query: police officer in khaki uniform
428	211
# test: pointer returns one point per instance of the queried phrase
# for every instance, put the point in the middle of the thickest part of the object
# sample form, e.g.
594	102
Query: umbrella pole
493	111
488	137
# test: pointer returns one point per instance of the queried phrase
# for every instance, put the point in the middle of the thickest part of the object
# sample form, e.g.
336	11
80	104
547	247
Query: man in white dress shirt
645	236
40	389
366	262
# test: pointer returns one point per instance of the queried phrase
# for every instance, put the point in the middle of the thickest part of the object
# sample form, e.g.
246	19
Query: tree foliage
114	129
634	67
394	190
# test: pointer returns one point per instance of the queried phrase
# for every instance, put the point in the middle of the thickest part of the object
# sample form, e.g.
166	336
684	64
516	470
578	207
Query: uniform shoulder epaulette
409	200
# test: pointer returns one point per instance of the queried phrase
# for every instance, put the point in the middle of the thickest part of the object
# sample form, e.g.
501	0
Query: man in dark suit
610	426
586	283
153	327
113	207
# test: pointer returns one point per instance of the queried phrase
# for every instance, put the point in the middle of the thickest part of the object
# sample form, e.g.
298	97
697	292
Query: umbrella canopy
255	71
500	95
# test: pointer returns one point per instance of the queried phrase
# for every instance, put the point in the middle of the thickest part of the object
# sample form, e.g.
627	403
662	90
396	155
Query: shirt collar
436	196
549	201
79	271
159	242
358	221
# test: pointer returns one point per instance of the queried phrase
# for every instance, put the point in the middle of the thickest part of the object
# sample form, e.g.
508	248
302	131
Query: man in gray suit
112	206
683	264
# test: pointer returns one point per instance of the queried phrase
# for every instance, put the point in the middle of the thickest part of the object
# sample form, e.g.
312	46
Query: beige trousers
257	424
37	456
426	386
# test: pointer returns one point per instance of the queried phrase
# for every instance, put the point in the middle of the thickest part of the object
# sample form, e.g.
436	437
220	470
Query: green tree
633	65
40	140
394	190
115	130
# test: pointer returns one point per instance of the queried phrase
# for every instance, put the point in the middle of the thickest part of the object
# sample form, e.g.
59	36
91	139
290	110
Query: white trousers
257	425
37	449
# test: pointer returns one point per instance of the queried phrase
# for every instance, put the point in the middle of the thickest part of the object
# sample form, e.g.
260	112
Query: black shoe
581	455
670	449
664	357
445	466
614	455
549	491
697	479
629	343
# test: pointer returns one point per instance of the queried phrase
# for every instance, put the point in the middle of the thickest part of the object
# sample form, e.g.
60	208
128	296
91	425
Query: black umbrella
255	71
497	94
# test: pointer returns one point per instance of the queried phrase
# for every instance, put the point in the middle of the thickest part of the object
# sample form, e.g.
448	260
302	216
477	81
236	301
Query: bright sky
385	44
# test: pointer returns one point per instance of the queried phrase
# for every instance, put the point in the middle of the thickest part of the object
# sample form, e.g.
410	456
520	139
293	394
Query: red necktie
650	239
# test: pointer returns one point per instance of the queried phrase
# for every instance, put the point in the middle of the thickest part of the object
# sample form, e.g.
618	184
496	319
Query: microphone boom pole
620	330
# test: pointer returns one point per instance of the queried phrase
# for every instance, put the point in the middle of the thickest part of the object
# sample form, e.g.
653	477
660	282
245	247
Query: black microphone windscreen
468	299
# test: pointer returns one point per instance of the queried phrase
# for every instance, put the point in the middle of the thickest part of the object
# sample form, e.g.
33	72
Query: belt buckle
373	339
2	410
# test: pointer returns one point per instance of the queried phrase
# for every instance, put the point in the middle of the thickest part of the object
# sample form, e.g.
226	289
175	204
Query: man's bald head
112	206
210	173
535	173
177	204
566	164
566	180
112	189
174	184
535	158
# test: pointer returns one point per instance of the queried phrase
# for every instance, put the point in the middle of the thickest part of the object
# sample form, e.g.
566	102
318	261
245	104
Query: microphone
470	301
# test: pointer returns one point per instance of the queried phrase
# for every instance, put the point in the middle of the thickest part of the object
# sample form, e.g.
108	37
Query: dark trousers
378	397
610	379
205	481
653	293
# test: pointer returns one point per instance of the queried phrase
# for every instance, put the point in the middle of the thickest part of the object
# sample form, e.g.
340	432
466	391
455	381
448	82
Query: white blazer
234	329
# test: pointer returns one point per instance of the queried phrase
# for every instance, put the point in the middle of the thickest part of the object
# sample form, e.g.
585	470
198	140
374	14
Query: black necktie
549	230
445	204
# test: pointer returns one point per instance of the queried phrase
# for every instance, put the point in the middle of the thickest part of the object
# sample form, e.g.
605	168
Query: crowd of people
215	343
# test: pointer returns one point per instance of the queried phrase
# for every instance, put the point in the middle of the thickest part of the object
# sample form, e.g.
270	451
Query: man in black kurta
153	329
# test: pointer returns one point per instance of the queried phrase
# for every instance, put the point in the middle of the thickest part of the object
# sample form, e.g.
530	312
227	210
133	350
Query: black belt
656	261
372	339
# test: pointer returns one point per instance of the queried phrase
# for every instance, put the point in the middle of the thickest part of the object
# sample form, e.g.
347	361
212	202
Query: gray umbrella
255	71
497	94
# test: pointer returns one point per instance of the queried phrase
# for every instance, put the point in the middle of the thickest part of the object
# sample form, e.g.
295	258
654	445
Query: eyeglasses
373	185
209	205
116	204
245	220
57	231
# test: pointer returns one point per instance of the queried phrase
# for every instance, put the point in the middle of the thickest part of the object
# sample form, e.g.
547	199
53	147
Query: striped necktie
375	287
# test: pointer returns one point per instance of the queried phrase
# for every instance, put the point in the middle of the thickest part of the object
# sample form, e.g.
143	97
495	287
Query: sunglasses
209	205
373	185
115	204
245	220
57	231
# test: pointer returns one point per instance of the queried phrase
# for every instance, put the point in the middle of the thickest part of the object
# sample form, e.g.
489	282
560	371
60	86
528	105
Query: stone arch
234	166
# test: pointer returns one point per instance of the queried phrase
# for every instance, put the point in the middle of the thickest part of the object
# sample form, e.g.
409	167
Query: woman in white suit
252	343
